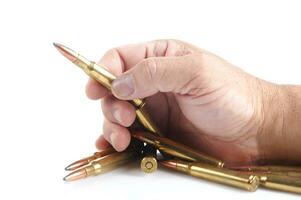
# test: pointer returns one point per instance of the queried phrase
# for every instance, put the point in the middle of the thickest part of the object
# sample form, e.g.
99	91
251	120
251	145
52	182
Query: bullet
282	183
82	162
108	163
149	163
105	78
176	149
272	169
215	174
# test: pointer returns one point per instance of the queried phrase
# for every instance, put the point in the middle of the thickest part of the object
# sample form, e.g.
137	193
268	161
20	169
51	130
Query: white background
46	121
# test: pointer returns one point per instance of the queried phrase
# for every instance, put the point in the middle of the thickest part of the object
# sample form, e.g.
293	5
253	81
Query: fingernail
117	116
113	139
123	86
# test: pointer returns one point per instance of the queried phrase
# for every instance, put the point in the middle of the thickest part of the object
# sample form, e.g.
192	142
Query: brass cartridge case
282	183
109	163
176	149
149	163
219	175
272	169
105	78
85	161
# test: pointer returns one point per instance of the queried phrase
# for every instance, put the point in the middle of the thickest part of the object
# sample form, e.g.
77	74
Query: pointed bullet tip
55	44
78	174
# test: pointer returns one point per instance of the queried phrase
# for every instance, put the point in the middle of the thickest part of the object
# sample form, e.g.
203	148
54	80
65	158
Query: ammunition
108	163
105	78
282	183
149	162
82	162
176	149
272	169
215	174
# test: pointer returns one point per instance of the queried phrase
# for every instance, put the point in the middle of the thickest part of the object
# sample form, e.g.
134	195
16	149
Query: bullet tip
169	164
78	174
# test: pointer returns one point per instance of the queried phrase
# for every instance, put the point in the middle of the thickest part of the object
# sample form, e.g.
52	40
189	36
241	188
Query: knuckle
149	67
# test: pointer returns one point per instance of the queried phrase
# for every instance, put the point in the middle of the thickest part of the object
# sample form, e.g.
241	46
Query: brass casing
274	170
149	164
219	175
176	149
110	162
279	182
105	78
101	75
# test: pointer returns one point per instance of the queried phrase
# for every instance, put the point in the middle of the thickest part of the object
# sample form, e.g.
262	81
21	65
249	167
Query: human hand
194	96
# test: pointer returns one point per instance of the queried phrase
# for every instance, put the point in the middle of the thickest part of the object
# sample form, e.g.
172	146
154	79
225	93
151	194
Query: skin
201	100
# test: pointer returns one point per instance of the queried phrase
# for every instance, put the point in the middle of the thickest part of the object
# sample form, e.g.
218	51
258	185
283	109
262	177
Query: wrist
277	138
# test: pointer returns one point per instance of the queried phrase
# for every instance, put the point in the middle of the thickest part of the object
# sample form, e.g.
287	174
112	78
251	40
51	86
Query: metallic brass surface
283	183
149	164
272	169
215	174
176	149
105	78
82	162
108	163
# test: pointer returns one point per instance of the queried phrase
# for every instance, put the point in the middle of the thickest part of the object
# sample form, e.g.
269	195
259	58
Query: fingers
117	111
94	90
121	59
118	115
101	143
165	74
118	136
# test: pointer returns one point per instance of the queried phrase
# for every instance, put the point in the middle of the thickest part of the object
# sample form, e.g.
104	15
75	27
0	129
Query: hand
194	96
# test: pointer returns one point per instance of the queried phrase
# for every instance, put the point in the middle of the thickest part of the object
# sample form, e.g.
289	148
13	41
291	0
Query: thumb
159	74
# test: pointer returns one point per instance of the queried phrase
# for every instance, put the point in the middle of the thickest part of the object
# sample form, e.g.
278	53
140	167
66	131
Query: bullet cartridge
215	174
149	163
282	183
272	169
108	163
82	162
176	149
105	78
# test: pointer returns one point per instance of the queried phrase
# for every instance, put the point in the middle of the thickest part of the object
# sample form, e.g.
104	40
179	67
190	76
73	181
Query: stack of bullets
148	144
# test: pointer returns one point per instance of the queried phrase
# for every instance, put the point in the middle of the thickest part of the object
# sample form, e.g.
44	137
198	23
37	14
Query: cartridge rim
149	164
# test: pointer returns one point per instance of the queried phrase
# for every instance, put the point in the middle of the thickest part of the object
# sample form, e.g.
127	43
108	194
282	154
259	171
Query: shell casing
176	149
282	183
219	175
85	161
273	170
105	78
101	75
149	164
110	162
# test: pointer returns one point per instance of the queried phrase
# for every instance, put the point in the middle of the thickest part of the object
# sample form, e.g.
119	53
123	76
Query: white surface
46	121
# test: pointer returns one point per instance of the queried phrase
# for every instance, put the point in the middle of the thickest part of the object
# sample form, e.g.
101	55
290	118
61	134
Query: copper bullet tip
85	161
169	164
77	164
65	51
73	176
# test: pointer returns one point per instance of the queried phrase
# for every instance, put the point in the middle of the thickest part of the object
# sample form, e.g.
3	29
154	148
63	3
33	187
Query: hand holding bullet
187	160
